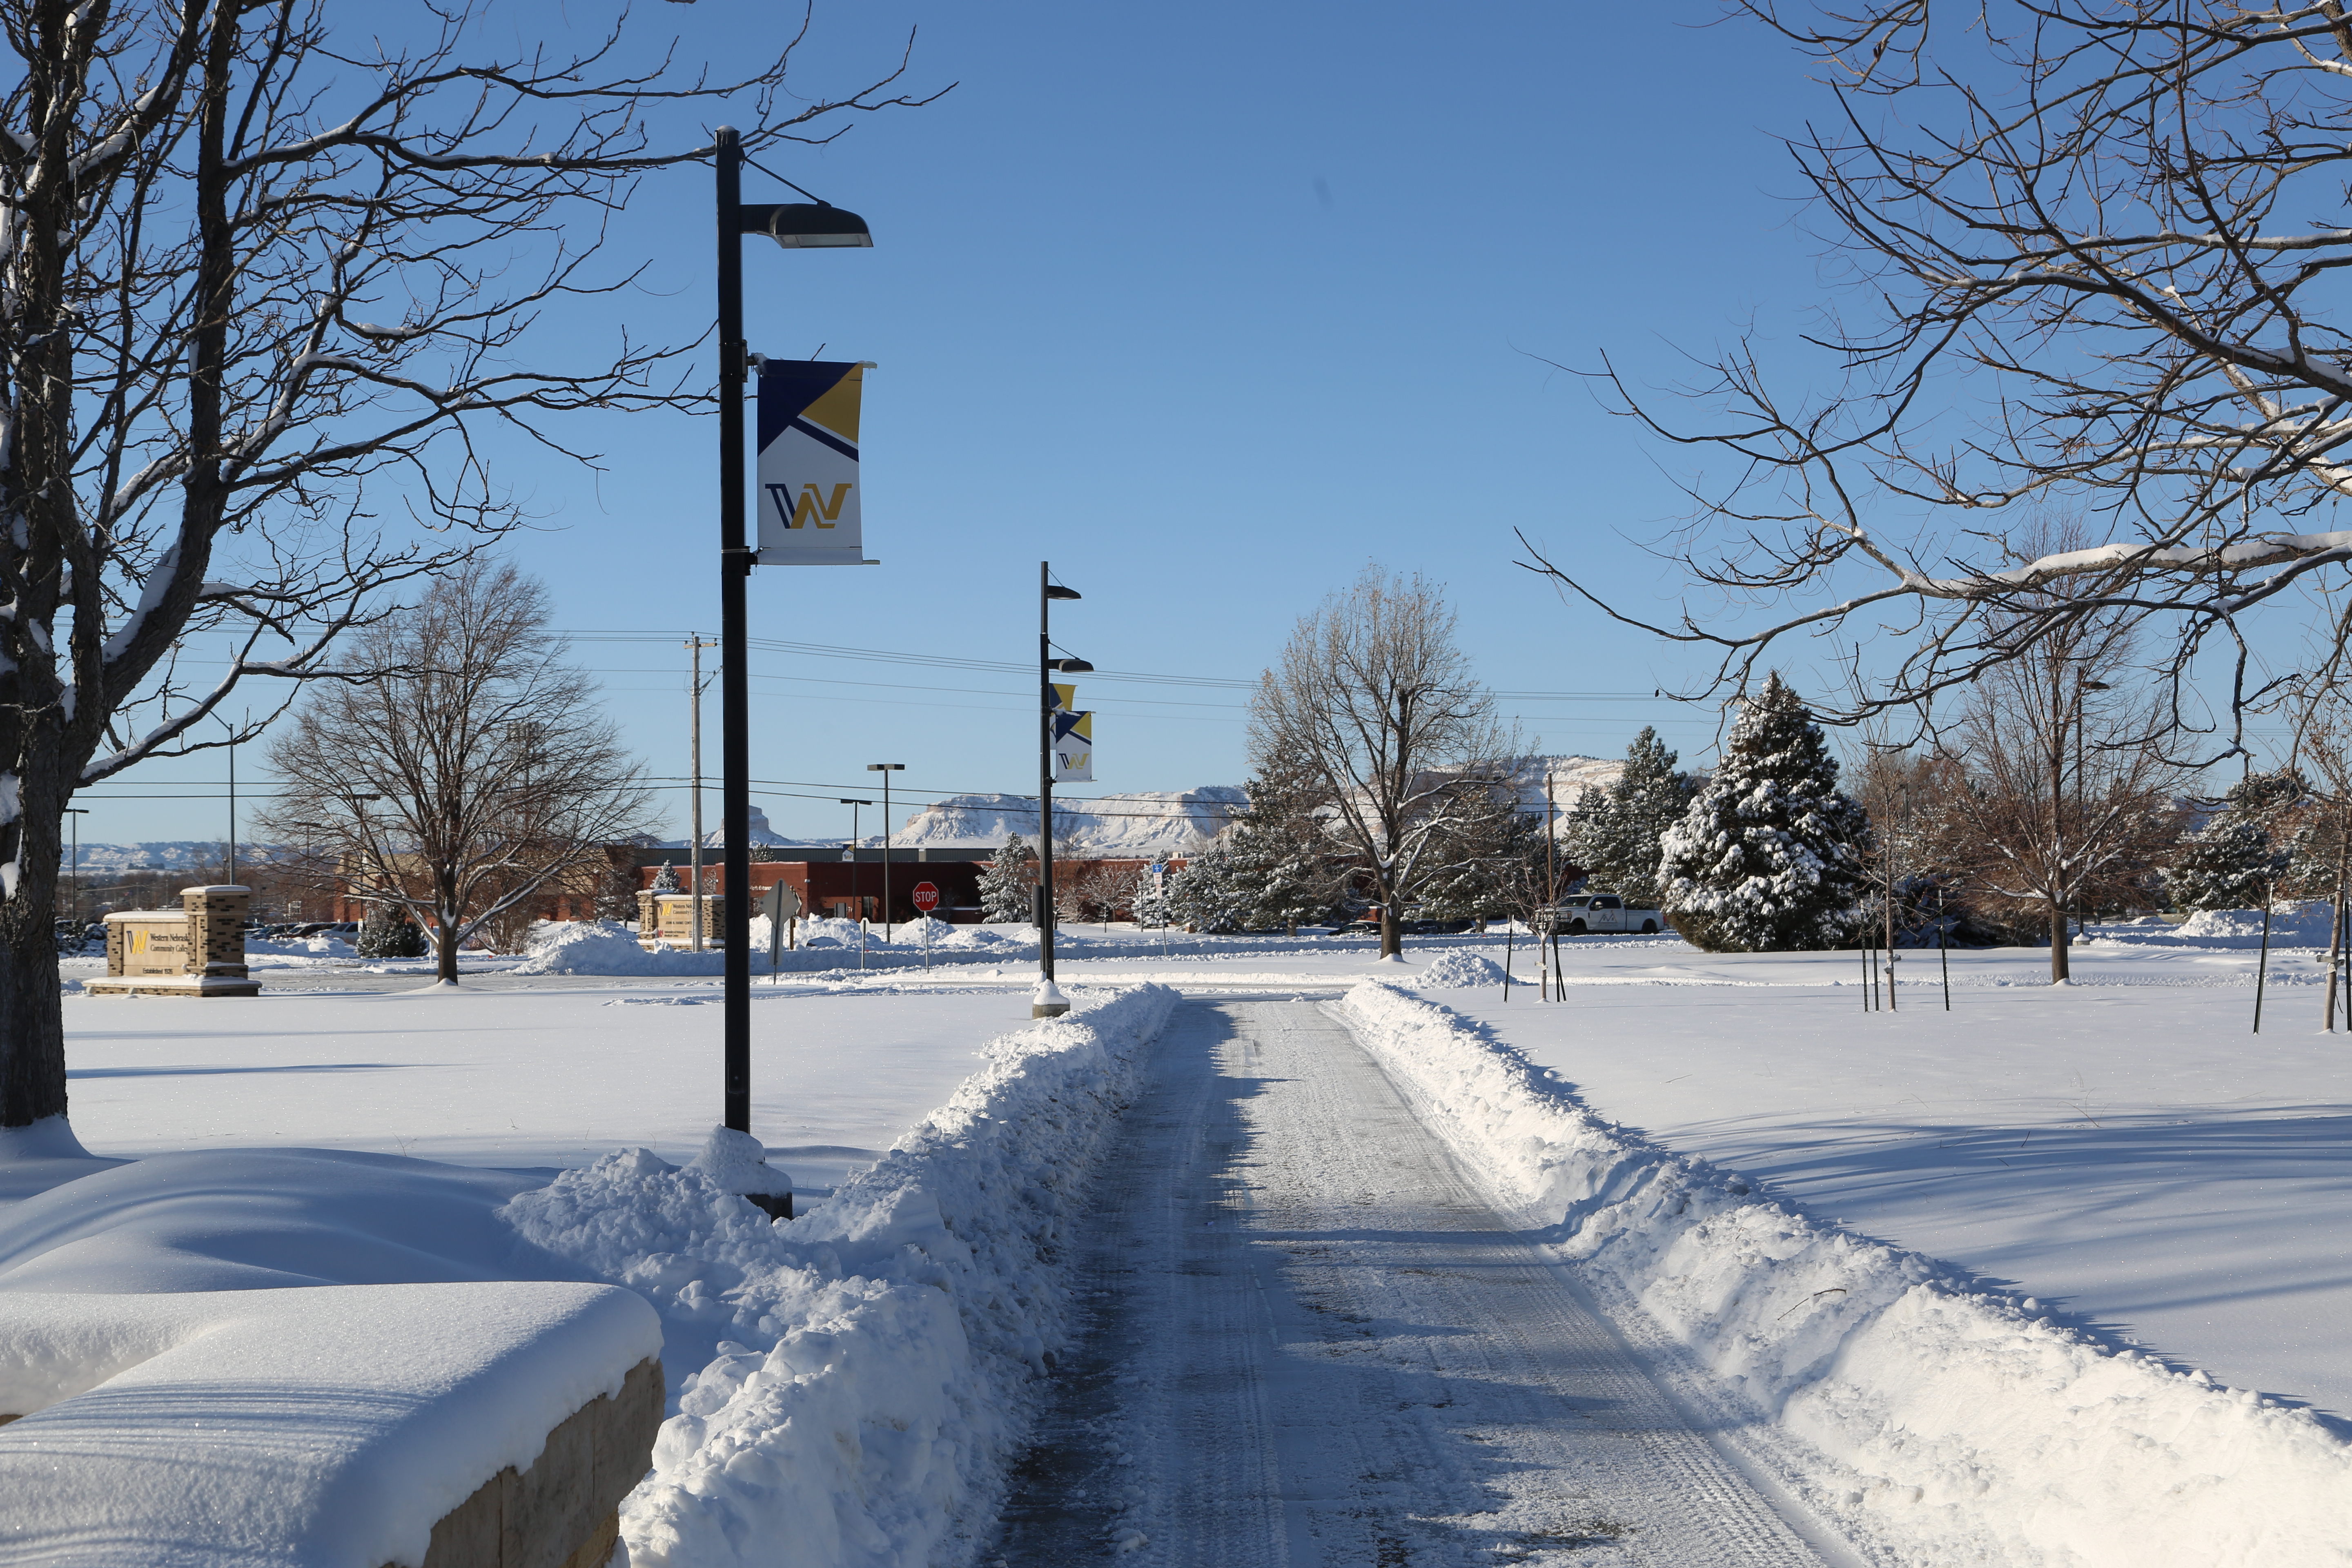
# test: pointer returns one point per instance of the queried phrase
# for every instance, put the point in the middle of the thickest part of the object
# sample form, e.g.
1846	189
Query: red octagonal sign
927	898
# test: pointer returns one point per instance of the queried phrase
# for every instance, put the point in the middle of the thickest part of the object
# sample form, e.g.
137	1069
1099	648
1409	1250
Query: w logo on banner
808	463
813	508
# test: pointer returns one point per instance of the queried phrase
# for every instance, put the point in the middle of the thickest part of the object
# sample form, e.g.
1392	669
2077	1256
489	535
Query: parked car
1597	913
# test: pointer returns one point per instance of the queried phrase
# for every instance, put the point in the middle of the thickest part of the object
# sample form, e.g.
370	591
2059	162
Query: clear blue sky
1210	306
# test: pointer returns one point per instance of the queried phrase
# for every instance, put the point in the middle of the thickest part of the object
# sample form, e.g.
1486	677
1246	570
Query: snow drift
861	1372
1952	1424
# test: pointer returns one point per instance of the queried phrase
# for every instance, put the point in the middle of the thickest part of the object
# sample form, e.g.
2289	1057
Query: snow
1949	1422
1143	826
738	1162
325	1428
1454	969
868	1394
2081	1248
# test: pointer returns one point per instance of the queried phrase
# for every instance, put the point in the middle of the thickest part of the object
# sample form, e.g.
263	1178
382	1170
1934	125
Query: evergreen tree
2235	859
1614	833
1148	901
666	880
1770	856
1210	893
1278	852
388	933
1004	886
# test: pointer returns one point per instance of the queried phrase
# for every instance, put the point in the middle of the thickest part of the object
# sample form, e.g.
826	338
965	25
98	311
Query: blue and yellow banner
808	481
1074	747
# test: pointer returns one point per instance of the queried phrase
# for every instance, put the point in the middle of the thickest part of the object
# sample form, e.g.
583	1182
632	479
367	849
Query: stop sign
927	898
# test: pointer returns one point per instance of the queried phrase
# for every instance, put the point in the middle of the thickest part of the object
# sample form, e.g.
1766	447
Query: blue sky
1210	306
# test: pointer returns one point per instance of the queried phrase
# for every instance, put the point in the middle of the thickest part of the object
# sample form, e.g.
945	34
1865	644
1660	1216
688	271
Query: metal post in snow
694	749
2261	971
1943	931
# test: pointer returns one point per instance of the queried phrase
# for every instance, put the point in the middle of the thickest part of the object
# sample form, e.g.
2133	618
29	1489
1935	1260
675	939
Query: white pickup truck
1600	912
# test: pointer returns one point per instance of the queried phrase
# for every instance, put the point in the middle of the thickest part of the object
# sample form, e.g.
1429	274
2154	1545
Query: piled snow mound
1954	1425
322	946
868	1365
608	947
2292	925
1455	967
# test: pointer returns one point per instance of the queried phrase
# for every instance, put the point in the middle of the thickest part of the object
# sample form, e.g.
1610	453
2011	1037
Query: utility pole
694	853
886	769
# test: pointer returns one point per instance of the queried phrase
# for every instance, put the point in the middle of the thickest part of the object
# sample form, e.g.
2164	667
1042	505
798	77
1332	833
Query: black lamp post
886	769
856	886
1049	1004
795	225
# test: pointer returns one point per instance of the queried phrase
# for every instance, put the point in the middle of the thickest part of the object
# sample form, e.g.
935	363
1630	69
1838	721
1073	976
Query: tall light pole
857	888
1049	1003
795	225
886	769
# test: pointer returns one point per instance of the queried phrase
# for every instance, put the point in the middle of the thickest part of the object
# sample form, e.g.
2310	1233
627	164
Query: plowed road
1312	1343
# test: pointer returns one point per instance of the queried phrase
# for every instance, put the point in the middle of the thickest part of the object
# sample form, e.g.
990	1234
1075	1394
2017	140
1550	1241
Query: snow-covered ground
2118	1173
516	1077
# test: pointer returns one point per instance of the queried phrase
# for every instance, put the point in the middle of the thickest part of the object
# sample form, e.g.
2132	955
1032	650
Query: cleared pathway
1312	1343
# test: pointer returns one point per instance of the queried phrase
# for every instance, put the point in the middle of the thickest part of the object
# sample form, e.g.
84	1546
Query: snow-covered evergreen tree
388	933
1148	901
1278	852
1004	886
1614	833
1211	893
1770	856
666	880
2236	857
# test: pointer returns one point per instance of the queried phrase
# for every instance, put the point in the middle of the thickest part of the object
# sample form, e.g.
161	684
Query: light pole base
1046	1001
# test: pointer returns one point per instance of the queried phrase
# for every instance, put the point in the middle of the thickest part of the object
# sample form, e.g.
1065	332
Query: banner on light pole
1074	747
1066	697
809	485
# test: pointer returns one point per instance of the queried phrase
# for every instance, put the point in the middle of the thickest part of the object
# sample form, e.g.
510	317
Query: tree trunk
1392	944
2059	972
32	1026
445	944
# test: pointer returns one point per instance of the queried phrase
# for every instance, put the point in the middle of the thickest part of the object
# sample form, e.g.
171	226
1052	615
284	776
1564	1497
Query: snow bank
867	1364
2292	925
1952	1424
1455	967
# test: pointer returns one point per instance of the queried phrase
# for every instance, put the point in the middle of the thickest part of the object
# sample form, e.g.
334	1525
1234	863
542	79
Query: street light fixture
886	769
795	226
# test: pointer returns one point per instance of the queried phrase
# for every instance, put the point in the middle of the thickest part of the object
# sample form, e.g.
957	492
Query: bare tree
250	266
2051	799
2076	239
458	790
1374	695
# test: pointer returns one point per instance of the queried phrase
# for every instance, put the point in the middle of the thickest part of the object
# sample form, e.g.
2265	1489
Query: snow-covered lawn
522	1078
2122	1153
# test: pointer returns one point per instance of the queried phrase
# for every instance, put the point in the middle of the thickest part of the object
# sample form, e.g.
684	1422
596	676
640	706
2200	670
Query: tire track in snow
1311	1343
